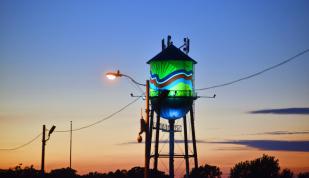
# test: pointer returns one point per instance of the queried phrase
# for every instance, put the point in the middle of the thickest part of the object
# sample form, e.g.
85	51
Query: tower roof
171	53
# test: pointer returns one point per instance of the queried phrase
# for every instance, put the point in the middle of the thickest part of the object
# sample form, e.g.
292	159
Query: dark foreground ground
263	167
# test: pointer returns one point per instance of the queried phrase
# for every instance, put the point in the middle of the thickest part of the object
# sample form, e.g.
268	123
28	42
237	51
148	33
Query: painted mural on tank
171	75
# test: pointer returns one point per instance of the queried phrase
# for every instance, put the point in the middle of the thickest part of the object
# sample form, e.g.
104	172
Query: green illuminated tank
172	82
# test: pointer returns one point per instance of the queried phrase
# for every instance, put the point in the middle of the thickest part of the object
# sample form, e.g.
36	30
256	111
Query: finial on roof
169	40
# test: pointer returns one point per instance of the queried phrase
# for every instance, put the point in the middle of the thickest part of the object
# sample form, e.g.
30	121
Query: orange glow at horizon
133	156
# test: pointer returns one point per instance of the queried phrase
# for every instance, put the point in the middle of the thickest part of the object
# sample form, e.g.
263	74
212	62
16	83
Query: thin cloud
282	133
232	148
283	111
161	141
271	145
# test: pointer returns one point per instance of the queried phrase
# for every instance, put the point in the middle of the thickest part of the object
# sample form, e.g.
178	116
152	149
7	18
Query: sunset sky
54	54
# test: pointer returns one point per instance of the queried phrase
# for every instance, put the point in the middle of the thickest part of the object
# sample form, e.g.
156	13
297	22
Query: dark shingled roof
171	52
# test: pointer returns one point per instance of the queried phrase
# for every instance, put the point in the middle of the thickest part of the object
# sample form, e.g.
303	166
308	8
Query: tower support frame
171	156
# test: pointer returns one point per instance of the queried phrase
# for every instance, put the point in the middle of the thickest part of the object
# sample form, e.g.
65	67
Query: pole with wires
147	139
43	151
70	144
44	140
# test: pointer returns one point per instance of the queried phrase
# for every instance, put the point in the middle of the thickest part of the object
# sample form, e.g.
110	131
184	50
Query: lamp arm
134	81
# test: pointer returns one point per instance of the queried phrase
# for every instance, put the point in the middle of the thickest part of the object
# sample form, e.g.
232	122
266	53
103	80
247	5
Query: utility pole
147	139
43	150
70	144
51	130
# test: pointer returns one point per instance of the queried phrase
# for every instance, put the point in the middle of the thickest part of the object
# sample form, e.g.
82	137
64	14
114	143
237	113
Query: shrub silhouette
19	172
303	175
206	171
266	167
63	172
27	172
286	173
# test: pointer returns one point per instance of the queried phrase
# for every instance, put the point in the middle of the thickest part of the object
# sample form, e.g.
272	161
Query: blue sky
53	56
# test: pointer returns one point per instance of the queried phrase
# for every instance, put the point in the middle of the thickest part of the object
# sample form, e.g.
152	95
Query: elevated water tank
172	83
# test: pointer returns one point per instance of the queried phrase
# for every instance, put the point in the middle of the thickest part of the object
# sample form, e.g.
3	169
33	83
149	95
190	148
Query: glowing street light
113	75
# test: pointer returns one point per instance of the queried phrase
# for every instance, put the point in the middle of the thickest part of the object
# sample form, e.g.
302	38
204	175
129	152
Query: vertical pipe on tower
171	157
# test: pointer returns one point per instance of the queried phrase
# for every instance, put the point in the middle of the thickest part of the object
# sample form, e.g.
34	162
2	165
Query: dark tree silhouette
266	167
27	172
303	175
19	172
157	174
286	173
206	171
94	175
137	172
117	174
63	172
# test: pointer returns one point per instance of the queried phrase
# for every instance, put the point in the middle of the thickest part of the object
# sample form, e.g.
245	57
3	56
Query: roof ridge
171	52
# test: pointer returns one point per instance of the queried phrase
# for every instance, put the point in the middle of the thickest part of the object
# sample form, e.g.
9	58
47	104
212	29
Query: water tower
172	96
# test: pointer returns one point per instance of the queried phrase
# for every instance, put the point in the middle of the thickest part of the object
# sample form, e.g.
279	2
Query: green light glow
173	75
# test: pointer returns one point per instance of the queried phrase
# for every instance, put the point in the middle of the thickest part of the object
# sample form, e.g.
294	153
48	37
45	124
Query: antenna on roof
163	45
169	42
186	45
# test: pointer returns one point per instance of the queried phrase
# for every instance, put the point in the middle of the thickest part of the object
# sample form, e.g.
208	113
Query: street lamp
43	145
114	75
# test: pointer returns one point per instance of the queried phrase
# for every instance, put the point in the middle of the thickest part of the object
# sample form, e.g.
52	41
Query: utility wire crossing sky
135	100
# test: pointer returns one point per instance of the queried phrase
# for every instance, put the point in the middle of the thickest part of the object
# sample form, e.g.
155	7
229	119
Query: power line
138	87
206	88
80	128
103	119
21	146
257	73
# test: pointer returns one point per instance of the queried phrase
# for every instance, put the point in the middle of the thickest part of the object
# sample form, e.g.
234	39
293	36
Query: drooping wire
257	73
142	92
103	119
21	146
80	128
